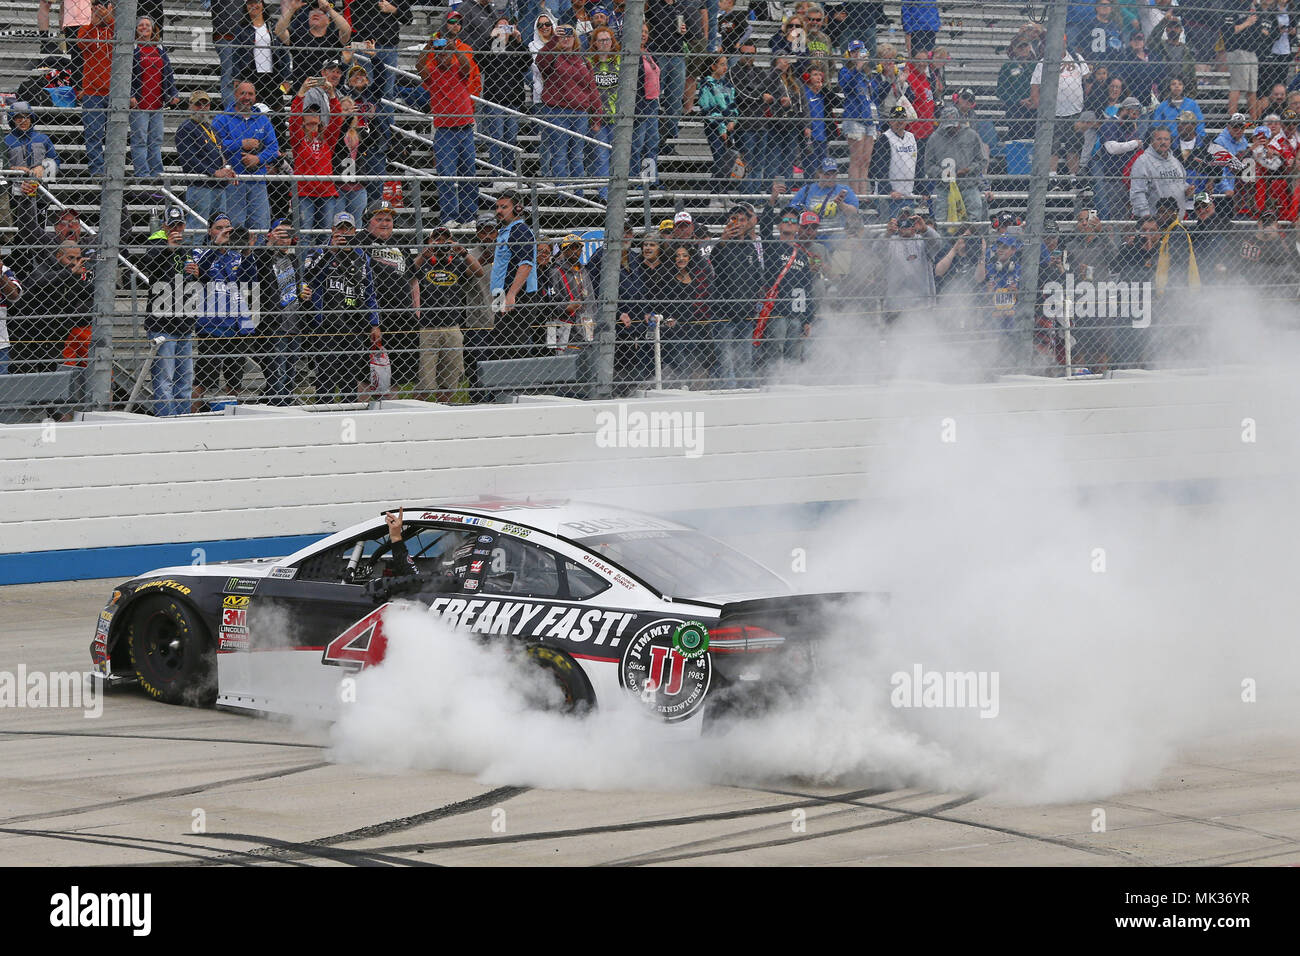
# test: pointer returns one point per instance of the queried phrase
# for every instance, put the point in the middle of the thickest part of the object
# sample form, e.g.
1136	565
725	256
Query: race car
607	601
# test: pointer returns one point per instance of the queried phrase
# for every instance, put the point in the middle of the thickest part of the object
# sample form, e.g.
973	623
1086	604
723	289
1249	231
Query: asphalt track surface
123	790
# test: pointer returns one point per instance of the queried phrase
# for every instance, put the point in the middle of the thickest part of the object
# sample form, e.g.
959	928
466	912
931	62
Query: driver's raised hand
394	521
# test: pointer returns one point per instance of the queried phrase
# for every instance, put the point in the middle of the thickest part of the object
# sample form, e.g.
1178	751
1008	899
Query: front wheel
172	653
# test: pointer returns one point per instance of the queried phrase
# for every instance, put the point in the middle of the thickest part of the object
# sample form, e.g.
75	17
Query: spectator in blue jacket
248	141
1231	149
225	316
32	153
1175	104
921	24
153	88
860	119
199	152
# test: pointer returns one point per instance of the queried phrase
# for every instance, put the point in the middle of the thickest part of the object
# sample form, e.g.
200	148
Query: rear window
686	563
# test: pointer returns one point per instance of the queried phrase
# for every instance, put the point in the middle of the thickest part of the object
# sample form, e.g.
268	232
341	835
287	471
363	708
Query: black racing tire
579	697
172	652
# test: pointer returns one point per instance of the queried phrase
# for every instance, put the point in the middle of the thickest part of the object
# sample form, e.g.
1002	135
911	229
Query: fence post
620	177
1039	180
100	371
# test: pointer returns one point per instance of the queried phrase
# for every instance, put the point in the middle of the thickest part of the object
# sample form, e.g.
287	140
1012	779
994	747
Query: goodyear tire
172	652
568	676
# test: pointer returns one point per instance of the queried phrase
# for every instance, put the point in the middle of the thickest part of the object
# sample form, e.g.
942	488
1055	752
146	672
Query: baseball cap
357	68
453	16
1187	116
378	206
486	221
595	10
1004	218
333	63
1290	116
665	225
67	212
572	239
966	93
200	95
1238	119
277	223
216	218
1271	118
1202	199
1011	241
683	216
949	114
20	108
856	46
173	217
907	212
809	218
740	209
830	166
1130	102
344	219
898	112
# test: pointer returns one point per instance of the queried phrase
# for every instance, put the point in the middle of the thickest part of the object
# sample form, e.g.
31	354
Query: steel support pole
1039	181
112	200
620	164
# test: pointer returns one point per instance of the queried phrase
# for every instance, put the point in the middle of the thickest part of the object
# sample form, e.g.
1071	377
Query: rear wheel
172	653
576	693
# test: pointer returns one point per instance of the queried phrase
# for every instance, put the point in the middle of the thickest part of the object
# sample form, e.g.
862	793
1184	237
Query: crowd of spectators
306	284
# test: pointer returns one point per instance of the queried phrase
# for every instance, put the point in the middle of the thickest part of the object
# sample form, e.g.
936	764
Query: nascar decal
167	583
240	586
555	622
282	574
669	683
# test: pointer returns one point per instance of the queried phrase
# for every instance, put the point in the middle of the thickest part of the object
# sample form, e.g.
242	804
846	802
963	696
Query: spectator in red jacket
448	73
569	100
92	59
312	137
922	98
153	87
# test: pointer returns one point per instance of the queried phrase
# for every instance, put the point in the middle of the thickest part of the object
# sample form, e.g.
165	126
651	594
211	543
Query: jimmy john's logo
671	684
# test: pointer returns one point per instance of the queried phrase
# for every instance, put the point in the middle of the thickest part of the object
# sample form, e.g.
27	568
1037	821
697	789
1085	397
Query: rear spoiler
768	623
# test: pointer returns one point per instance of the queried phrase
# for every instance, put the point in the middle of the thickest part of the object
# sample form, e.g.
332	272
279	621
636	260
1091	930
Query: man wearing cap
448	74
225	319
1193	151
30	155
478	18
789	298
738	267
955	154
825	196
1141	73
396	290
575	295
164	260
755	92
318	36
447	274
451	32
276	265
908	257
340	282
312	138
378	24
984	128
249	143
1120	139
1210	227
199	152
1167	45
1230	149
902	160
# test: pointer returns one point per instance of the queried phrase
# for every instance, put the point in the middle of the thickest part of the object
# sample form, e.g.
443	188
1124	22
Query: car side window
332	565
583	582
519	568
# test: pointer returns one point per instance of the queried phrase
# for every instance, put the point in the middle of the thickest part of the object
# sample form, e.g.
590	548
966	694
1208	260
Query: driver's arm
402	563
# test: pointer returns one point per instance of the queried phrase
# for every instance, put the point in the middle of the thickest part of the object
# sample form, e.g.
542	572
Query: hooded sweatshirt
567	80
963	146
1153	178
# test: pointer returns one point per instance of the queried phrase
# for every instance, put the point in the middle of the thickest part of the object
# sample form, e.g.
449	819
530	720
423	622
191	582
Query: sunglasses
790	219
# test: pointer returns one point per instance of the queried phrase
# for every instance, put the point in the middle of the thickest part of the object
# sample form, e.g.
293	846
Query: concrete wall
117	494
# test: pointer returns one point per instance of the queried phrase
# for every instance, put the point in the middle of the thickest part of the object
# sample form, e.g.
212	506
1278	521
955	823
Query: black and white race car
608	601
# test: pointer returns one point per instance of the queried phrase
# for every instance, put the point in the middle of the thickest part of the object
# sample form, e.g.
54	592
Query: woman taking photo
569	100
718	104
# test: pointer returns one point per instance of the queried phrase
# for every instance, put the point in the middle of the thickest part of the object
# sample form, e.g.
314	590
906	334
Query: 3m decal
240	586
234	617
234	600
670	684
